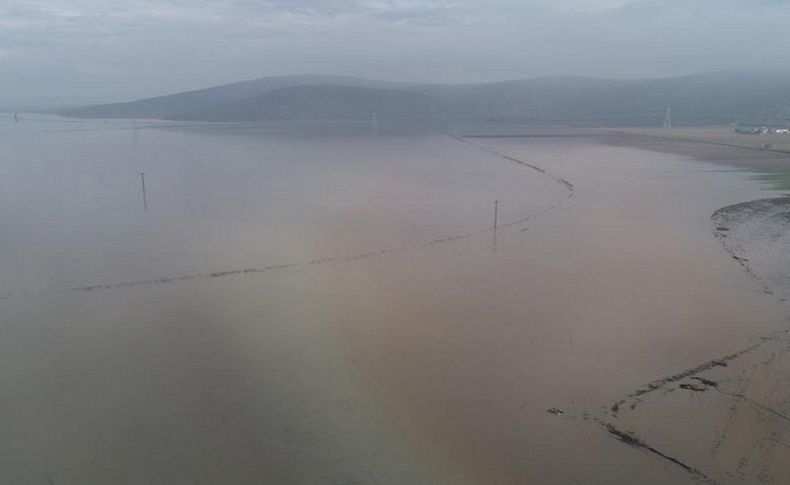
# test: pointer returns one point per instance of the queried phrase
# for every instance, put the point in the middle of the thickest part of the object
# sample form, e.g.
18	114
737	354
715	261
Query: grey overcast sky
117	50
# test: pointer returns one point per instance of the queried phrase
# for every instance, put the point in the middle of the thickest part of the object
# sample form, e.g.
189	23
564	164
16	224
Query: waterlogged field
332	308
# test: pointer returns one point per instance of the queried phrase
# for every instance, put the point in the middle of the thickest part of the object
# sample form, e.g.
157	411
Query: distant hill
309	103
725	97
702	99
175	105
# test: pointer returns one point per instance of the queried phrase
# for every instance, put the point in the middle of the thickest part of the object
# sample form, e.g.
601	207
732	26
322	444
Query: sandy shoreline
744	226
749	158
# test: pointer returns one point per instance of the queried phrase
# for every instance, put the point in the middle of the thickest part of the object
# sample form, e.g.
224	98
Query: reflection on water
429	363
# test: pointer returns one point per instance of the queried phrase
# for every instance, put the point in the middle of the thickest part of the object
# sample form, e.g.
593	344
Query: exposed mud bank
740	428
757	234
725	419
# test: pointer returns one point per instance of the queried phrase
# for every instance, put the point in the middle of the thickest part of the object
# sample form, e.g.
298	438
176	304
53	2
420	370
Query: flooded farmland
337	308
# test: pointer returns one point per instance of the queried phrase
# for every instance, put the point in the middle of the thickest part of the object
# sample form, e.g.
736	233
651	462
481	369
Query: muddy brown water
376	336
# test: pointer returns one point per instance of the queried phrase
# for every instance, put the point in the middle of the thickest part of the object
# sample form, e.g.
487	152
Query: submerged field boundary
724	220
489	149
569	188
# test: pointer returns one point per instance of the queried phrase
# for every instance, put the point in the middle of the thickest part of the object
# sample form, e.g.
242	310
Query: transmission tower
668	119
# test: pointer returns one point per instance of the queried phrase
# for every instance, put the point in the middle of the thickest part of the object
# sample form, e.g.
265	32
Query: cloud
142	47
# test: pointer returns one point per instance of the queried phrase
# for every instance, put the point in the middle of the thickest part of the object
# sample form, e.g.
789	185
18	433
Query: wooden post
496	220
142	181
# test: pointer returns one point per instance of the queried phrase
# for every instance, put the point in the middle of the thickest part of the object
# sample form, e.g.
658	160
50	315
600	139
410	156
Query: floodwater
331	308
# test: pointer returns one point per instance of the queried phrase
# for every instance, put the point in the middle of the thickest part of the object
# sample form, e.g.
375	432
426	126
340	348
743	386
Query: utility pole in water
496	220
142	181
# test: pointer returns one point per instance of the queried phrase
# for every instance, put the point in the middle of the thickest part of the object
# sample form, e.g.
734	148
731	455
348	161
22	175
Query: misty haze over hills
714	98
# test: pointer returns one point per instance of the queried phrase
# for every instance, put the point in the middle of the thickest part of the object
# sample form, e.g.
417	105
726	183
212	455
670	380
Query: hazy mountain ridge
723	97
174	105
307	103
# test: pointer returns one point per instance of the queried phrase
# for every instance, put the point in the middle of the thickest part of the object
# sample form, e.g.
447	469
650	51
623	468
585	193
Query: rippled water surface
330	308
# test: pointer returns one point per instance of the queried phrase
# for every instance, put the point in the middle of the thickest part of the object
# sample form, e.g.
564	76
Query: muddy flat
316	308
